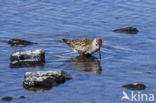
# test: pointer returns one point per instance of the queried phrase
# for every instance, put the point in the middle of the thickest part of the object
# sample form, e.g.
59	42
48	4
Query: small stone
8	98
135	86
15	42
21	97
35	58
129	30
148	72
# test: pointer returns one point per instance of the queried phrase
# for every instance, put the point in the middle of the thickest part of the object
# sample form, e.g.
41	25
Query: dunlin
85	46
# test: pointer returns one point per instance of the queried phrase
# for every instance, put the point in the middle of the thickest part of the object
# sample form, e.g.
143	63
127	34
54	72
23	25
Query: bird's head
97	42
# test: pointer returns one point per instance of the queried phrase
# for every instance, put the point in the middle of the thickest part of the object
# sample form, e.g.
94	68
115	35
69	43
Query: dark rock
38	89
129	30
21	97
135	86
34	58
148	72
15	42
44	80
8	98
22	64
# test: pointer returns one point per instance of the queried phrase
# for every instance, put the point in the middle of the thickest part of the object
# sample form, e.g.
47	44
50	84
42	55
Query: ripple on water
125	57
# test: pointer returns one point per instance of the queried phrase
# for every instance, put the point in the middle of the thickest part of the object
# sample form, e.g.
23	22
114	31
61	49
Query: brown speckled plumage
84	46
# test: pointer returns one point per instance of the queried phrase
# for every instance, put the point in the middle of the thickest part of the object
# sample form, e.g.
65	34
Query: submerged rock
44	80
135	86
21	97
129	30
27	59
8	98
15	41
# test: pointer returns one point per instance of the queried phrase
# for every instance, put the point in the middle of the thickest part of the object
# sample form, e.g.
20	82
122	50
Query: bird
85	46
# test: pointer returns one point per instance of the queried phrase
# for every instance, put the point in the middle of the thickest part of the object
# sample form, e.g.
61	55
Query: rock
129	30
44	79
14	42
8	98
28	59
22	64
135	86
148	72
21	97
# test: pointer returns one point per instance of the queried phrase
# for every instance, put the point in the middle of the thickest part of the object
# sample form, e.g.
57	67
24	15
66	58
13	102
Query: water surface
127	58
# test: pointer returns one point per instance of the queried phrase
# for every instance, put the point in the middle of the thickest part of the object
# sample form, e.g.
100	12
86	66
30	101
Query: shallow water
126	59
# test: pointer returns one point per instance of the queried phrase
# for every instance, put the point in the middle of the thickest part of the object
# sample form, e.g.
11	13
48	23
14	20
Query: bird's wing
79	45
82	42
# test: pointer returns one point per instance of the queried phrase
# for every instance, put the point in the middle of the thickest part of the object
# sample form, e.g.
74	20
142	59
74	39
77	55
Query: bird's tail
67	41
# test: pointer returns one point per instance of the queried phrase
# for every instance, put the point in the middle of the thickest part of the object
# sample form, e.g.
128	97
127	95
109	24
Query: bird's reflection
86	63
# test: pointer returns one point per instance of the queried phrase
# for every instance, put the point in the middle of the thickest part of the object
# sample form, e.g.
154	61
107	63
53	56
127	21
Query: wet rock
15	42
148	72
8	98
21	97
39	89
129	30
29	64
35	58
135	86
44	80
